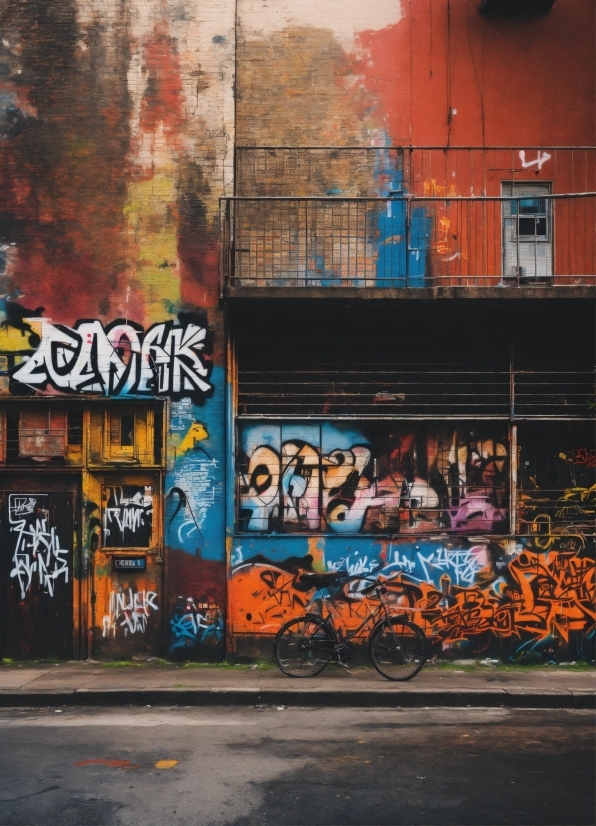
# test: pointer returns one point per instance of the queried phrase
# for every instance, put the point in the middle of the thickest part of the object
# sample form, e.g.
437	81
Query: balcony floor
504	293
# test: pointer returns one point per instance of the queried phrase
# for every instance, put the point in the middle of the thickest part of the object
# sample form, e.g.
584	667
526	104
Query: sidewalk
92	683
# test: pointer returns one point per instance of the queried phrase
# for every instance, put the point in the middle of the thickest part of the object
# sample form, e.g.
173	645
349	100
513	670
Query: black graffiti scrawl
127	516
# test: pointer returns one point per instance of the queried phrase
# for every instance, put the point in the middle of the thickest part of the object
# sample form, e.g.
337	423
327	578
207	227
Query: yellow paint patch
166	764
196	433
316	548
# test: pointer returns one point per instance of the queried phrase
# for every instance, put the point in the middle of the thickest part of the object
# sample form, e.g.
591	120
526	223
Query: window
127	519
127	431
75	428
527	231
121	435
42	433
373	478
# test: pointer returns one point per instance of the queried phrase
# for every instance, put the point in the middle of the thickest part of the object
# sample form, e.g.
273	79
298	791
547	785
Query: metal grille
554	391
406	241
338	387
382	359
349	387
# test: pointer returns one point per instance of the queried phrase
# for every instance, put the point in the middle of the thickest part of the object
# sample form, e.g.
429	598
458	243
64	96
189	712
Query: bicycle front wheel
397	649
303	647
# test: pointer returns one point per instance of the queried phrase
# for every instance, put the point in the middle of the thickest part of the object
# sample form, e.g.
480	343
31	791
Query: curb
500	698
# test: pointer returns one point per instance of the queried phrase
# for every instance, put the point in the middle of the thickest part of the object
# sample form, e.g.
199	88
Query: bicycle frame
372	616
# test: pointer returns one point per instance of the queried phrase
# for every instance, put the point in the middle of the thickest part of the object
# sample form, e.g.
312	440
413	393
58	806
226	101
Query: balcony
410	222
409	242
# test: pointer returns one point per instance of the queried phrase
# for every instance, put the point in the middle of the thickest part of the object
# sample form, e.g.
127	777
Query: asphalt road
269	766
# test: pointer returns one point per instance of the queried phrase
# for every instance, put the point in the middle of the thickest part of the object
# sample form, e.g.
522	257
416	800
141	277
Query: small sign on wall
129	563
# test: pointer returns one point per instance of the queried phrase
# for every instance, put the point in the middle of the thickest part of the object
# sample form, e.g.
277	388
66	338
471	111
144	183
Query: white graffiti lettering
359	566
463	565
129	610
37	549
128	516
21	505
403	563
119	360
538	162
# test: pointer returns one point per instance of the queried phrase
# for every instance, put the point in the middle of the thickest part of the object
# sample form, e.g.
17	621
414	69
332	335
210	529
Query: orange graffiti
542	596
434	190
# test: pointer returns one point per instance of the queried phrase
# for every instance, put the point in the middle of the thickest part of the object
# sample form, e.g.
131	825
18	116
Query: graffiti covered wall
116	136
527	598
375	479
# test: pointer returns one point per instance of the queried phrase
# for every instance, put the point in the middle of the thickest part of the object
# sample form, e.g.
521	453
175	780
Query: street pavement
280	766
158	683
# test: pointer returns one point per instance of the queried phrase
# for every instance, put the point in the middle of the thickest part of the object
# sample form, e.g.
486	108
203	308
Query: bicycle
305	645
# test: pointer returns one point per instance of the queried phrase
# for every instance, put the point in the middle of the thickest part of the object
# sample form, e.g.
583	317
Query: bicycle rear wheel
397	649
303	647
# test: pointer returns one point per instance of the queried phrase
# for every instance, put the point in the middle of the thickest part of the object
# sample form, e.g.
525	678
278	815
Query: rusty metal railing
410	241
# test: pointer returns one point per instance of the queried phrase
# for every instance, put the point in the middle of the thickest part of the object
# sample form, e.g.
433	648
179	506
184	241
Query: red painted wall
513	81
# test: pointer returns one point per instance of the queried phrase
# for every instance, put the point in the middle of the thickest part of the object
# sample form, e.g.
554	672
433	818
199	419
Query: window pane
75	427
530	206
127	431
527	226
127	516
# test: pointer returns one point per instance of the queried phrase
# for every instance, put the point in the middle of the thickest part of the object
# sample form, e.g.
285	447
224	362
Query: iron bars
410	241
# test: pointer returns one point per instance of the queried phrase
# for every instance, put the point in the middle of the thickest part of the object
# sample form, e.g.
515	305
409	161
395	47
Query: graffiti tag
538	162
462	565
130	611
120	359
128	516
193	623
37	549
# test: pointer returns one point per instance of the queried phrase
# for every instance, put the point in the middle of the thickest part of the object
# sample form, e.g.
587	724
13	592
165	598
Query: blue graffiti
402	246
195	623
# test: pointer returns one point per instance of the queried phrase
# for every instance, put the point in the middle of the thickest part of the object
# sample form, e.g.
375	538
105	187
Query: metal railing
409	241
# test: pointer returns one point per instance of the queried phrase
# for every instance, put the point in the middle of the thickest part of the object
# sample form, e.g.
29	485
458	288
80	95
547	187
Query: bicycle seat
318	580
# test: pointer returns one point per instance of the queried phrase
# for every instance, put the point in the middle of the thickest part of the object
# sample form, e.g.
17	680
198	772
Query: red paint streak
202	579
162	100
199	263
64	176
384	65
113	764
